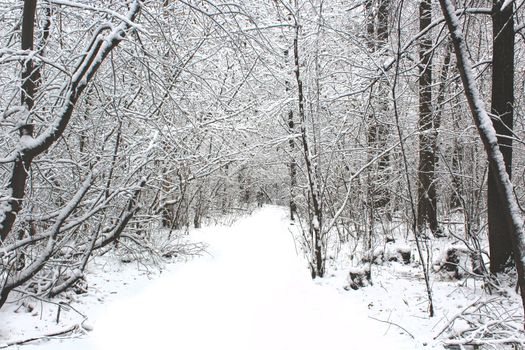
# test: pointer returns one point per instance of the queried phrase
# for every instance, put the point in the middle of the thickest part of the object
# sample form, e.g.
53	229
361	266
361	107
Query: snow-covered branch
488	136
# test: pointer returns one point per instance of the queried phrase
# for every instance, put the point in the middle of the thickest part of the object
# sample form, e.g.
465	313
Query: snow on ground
251	291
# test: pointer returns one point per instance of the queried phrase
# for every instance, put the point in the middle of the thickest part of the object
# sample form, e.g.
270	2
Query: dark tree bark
502	110
22	163
383	10
293	169
29	74
370	26
427	202
509	209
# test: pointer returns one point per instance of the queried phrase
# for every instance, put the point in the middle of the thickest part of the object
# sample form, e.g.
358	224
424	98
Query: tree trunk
291	130
28	74
502	110
370	26
509	209
378	130
382	22
293	169
317	263
427	202
22	162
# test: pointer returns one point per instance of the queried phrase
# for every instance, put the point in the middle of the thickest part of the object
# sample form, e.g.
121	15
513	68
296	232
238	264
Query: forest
390	132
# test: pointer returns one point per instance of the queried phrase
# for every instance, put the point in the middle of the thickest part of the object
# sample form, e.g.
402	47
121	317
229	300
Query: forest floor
249	291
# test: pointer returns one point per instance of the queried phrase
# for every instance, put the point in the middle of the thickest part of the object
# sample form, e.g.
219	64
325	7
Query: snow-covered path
251	292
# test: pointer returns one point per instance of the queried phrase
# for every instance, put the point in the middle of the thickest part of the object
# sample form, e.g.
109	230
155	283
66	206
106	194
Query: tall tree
427	203
23	160
502	109
377	27
378	129
509	209
29	74
293	162
317	263
291	130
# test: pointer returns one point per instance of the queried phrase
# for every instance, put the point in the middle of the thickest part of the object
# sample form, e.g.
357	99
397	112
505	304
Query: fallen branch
68	330
490	323
481	342
459	314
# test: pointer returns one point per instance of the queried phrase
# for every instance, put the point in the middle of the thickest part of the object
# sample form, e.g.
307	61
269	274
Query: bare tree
21	158
509	209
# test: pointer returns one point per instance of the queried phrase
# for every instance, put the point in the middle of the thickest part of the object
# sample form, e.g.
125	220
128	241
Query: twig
462	312
67	330
478	342
487	325
392	323
63	305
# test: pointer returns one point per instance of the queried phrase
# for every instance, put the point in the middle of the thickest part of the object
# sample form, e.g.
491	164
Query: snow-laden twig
490	322
356	175
455	317
39	263
84	6
68	330
32	147
394	324
48	301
